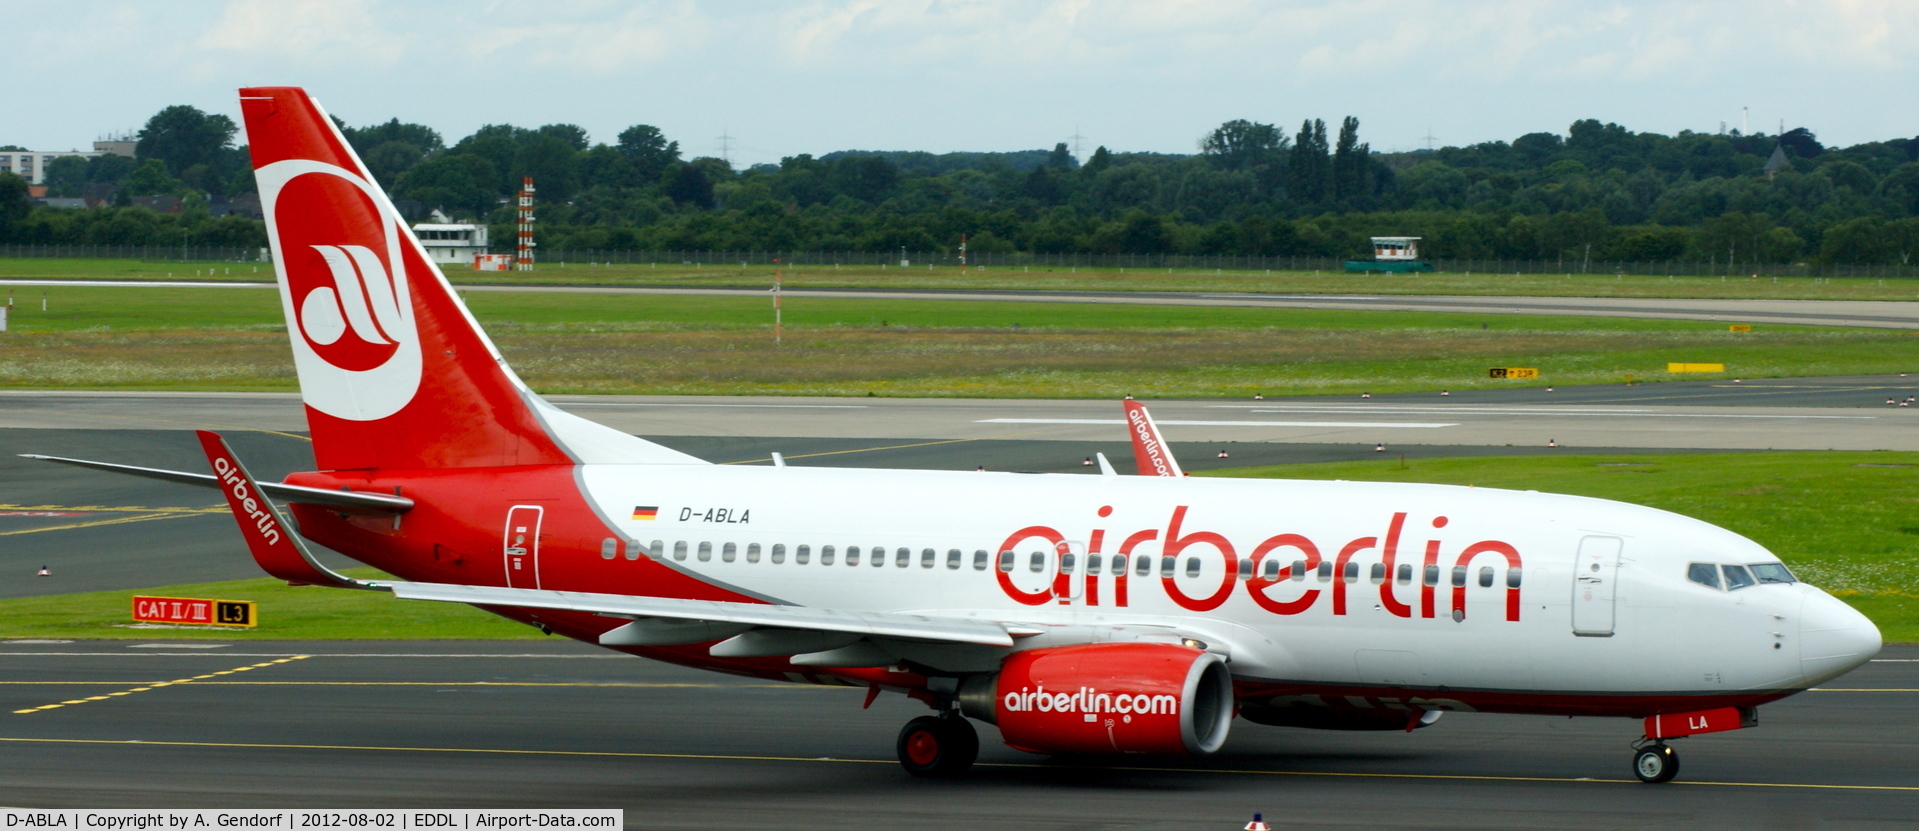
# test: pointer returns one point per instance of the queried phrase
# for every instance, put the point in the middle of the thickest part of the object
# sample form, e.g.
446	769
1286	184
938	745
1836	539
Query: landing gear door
521	545
1595	584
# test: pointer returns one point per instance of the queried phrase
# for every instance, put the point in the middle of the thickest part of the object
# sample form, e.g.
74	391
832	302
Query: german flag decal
647	512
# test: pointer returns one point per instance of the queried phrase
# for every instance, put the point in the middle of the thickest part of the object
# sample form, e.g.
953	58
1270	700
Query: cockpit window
1737	577
1772	573
1705	574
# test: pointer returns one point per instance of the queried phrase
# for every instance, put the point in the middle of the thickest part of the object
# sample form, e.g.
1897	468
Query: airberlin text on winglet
263	520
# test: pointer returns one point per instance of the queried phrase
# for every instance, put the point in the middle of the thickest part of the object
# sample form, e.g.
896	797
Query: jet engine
1107	698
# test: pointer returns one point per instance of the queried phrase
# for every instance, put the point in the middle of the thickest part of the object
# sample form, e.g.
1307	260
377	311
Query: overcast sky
811	76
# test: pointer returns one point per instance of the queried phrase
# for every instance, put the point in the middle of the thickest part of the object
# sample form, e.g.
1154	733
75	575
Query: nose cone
1833	637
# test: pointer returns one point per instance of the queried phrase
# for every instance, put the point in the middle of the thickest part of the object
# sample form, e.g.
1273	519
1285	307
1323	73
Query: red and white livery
1081	614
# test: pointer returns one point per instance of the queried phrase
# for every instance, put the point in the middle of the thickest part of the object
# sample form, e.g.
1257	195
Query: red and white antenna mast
525	249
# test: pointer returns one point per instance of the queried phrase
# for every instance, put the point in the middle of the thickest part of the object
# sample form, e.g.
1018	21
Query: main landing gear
938	746
1654	762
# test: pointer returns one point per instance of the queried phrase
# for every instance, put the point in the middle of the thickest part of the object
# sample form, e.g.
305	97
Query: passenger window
1459	577
778	553
1144	567
1485	577
1246	568
1737	577
1325	571
802	554
953	558
728	552
979	560
1093	562
877	556
609	548
1270	570
926	557
852	555
679	550
1166	565
1772	573
1705	574
1405	575
1037	562
633	549
1379	573
1512	578
902	557
1299	570
826	555
1068	561
1432	575
1352	572
1192	566
706	552
658	550
1006	561
752	552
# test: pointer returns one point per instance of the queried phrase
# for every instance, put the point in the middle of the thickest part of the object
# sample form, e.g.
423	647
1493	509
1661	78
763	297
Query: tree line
1597	192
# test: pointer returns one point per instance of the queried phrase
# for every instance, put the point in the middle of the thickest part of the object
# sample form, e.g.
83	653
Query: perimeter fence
1016	259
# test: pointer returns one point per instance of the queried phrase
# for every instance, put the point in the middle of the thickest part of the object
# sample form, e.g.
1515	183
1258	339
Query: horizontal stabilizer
885	624
351	502
272	541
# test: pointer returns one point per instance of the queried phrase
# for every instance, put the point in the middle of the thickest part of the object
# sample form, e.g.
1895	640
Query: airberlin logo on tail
341	260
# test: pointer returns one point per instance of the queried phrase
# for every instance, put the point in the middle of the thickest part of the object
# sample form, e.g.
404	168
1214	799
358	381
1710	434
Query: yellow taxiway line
154	686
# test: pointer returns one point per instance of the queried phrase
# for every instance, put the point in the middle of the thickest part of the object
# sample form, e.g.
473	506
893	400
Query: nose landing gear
1654	762
933	746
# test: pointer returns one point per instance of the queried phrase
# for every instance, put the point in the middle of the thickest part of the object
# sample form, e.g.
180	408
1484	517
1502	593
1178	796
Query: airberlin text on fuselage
1426	569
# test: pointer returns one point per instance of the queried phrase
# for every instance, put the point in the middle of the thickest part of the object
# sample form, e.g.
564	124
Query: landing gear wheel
1655	763
933	746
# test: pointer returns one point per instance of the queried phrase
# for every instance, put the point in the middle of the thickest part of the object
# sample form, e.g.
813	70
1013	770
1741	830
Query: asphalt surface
551	724
98	531
1881	314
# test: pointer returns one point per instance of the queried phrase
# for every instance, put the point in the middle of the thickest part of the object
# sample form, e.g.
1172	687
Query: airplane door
1595	579
522	546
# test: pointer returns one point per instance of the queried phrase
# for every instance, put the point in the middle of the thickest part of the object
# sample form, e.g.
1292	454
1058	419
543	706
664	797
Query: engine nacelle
1107	698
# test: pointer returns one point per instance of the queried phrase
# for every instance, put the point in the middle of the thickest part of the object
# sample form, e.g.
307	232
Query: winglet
278	550
1149	449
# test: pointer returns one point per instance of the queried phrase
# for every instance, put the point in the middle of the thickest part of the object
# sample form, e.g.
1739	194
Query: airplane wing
350	502
741	615
1150	452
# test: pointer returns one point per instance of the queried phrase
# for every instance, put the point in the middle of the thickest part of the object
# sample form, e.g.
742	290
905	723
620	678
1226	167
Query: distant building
115	147
31	165
162	204
245	204
61	202
1778	161
451	242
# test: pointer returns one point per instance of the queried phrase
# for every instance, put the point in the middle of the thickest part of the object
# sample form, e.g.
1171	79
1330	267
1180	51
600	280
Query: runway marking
623	684
107	509
151	686
1863	689
887	447
1178	423
564	404
100	522
1525	411
617	754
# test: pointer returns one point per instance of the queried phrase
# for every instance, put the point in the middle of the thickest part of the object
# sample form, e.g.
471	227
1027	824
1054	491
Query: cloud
304	30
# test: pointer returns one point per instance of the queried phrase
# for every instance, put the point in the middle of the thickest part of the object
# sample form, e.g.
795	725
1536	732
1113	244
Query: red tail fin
1150	452
394	371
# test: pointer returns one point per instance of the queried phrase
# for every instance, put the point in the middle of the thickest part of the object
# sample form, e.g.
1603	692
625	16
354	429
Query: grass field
233	339
1071	279
1846	522
286	613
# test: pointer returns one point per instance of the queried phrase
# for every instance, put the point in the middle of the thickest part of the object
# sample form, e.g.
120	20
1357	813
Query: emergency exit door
1595	584
522	546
